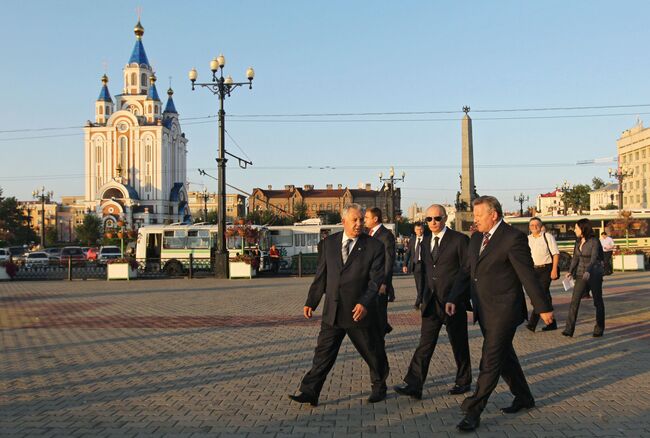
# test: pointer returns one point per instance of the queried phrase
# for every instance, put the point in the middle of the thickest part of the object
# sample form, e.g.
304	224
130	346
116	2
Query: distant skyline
343	90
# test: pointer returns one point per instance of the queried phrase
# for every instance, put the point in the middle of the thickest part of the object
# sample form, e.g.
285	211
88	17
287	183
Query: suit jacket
346	285
440	274
410	257
497	276
386	237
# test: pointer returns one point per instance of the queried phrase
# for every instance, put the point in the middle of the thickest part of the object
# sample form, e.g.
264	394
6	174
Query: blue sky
338	57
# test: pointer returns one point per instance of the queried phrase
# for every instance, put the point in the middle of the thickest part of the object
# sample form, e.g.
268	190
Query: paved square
209	357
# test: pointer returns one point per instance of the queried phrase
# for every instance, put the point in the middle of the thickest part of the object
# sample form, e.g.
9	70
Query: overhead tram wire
392	113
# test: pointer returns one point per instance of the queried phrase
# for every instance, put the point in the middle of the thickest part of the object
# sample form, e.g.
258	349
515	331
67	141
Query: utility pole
521	199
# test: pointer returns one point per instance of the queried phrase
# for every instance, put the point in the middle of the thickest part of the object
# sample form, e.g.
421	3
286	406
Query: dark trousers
382	313
367	341
595	283
607	260
430	329
498	360
419	282
544	277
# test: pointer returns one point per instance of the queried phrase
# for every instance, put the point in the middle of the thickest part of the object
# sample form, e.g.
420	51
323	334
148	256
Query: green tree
404	227
51	236
13	230
300	212
597	183
577	198
330	217
90	231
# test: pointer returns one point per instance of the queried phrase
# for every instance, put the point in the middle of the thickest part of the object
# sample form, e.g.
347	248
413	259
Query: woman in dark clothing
587	270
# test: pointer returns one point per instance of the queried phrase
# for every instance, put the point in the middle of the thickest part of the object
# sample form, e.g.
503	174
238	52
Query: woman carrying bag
587	271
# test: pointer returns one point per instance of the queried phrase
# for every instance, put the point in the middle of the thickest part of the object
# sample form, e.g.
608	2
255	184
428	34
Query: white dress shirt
440	235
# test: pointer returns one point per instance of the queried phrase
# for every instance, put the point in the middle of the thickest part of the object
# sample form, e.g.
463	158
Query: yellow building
235	205
634	160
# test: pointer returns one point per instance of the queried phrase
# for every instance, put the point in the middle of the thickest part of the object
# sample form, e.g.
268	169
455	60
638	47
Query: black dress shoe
469	423
517	406
409	391
597	334
377	395
551	326
566	333
459	389
304	398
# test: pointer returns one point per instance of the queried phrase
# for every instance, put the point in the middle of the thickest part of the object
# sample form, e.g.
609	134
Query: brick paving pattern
212	358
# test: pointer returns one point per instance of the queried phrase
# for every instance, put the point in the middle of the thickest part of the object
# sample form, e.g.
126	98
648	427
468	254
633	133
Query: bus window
296	240
312	239
198	239
174	239
302	240
281	237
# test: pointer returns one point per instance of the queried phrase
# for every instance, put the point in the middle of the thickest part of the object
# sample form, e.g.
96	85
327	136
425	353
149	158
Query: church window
149	108
101	110
147	165
122	154
144	79
133	78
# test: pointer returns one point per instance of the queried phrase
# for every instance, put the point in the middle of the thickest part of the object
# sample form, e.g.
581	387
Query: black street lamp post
620	174
205	195
521	199
43	196
391	187
221	87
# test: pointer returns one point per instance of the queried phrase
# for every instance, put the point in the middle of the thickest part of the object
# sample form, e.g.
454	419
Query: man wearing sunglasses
443	255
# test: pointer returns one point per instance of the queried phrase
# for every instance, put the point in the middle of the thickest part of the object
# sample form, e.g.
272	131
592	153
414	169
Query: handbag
551	254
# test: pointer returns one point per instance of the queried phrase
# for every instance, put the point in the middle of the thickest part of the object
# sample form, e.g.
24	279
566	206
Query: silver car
4	254
35	259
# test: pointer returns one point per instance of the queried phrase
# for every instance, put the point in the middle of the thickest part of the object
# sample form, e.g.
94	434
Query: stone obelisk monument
467	192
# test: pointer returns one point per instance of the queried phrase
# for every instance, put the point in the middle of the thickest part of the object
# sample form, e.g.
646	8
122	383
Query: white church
135	151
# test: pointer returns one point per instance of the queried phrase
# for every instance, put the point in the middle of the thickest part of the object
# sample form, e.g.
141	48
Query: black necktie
436	249
346	250
417	250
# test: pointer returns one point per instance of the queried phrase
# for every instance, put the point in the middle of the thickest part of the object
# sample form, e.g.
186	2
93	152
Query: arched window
122	157
147	163
101	110
149	108
126	79
144	79
134	78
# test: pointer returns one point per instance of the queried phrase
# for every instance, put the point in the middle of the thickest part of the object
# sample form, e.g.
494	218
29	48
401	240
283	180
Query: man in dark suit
498	265
444	253
413	260
376	229
349	273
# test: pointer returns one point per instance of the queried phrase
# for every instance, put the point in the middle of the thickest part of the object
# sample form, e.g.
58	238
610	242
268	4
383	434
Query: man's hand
307	311
547	317
450	309
382	289
586	276
554	274
359	312
405	269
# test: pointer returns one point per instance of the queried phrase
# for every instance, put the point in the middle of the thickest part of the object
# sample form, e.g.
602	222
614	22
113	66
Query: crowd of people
485	274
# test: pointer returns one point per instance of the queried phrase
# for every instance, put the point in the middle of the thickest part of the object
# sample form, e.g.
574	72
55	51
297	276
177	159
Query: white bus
168	247
302	238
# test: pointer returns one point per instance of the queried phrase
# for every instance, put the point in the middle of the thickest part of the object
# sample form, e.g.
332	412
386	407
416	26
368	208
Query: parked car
53	253
4	254
108	252
73	254
17	253
38	258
